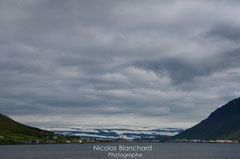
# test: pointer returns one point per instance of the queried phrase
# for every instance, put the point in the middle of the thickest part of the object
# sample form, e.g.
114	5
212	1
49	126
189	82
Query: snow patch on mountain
114	132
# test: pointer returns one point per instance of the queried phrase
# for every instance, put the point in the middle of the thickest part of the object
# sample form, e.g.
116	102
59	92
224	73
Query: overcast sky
118	62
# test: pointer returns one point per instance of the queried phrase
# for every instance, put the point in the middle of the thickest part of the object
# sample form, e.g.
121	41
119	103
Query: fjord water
85	151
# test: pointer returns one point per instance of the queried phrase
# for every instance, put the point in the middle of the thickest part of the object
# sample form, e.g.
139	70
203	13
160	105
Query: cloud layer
158	63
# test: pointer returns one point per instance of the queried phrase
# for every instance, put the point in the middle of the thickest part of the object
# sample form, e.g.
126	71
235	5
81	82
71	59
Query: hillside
14	132
223	123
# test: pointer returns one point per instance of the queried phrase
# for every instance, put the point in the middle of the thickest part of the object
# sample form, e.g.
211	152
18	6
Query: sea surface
86	151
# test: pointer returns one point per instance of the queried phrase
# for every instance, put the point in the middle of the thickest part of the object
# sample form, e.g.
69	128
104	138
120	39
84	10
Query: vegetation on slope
12	132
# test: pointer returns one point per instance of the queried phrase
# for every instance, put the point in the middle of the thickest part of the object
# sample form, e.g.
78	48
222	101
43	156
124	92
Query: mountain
14	132
114	132
223	123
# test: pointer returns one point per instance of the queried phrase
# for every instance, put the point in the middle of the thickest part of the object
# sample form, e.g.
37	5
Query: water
85	151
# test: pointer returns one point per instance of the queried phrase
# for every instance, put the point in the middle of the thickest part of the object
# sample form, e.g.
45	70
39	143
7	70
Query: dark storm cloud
226	31
150	62
185	70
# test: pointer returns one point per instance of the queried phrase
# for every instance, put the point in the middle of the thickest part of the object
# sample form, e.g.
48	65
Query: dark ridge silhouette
223	123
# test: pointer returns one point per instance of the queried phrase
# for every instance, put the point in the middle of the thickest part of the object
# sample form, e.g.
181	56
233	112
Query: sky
158	63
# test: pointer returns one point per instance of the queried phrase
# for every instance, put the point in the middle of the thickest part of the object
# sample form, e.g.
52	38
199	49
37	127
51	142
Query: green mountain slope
14	132
223	123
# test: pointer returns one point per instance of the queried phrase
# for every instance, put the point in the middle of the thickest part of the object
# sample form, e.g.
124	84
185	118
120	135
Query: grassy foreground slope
14	132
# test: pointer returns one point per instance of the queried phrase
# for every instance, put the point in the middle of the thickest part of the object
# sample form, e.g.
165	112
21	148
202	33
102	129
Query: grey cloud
150	60
225	31
182	69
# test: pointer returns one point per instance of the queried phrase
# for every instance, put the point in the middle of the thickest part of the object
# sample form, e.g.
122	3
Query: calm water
85	151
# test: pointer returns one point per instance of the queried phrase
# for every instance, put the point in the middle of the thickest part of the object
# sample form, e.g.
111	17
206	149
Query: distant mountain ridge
13	132
223	123
114	132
